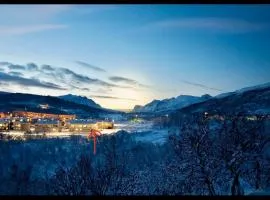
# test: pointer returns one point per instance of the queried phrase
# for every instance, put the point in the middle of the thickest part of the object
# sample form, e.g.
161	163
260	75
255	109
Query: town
39	122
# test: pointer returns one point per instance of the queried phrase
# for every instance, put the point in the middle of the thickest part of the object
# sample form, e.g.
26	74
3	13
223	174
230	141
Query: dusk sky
126	55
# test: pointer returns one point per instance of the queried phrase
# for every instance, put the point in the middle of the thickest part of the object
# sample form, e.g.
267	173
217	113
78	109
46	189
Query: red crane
94	134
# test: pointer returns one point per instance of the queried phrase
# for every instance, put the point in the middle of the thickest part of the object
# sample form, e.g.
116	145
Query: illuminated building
46	126
31	115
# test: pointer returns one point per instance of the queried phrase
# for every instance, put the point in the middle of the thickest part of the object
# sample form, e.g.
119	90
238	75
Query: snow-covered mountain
80	100
240	91
251	100
170	104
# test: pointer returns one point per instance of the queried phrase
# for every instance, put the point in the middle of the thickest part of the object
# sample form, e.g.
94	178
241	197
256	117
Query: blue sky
123	55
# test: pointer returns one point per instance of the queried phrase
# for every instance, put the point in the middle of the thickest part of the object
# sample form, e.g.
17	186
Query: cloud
5	63
126	80
21	14
103	91
32	66
122	79
3	84
62	76
28	82
1	70
201	85
226	25
83	89
20	30
16	67
90	66
47	67
16	73
112	97
86	79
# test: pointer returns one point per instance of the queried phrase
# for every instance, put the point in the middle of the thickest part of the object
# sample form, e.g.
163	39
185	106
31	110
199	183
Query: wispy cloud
112	97
84	64
85	89
126	80
47	68
104	91
20	30
201	85
63	76
5	63
16	73
28	82
22	14
79	88
86	79
16	67
32	66
24	19
55	78
225	25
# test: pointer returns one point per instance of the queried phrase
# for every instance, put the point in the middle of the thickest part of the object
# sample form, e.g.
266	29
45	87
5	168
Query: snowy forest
200	157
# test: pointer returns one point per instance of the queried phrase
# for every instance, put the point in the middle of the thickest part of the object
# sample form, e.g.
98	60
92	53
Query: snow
170	104
246	186
156	137
260	192
262	86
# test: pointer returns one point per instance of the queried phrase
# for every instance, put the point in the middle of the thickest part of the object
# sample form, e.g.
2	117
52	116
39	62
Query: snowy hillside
170	104
240	91
80	100
252	100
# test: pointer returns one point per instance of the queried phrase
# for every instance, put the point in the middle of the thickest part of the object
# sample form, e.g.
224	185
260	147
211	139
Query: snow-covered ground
156	137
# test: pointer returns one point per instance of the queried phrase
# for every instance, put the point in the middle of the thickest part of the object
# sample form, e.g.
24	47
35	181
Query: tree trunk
210	187
258	175
236	187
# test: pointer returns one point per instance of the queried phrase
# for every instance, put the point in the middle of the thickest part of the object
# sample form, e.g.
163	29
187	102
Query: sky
126	55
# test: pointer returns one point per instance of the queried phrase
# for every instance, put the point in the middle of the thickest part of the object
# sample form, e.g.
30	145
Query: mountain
31	102
80	100
171	104
256	87
251	100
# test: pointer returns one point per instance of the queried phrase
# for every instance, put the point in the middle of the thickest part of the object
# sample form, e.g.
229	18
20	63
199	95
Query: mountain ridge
170	103
83	100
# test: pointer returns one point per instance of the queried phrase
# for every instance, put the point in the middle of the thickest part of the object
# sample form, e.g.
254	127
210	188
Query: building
66	117
28	114
5	115
2	115
82	125
46	126
4	124
104	125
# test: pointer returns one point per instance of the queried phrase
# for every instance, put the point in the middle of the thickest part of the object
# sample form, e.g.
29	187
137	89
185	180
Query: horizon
110	55
130	109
